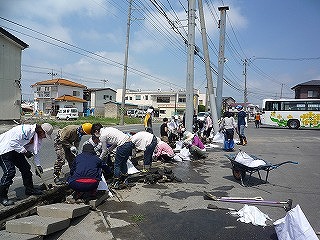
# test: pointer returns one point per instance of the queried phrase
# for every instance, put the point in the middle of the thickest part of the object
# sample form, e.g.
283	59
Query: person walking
228	126
66	146
148	120
15	145
242	124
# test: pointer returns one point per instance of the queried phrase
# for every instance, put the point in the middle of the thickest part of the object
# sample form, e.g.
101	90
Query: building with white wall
97	97
166	103
50	95
10	76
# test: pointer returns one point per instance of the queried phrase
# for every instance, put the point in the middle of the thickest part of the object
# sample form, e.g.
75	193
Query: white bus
292	113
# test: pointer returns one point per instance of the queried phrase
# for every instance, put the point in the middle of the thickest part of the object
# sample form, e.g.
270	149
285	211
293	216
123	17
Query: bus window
313	106
272	106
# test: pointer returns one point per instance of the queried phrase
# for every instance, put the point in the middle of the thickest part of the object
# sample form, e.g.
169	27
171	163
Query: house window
138	97
130	98
312	94
162	111
46	89
105	97
163	99
182	100
126	98
110	97
146	97
76	93
38	89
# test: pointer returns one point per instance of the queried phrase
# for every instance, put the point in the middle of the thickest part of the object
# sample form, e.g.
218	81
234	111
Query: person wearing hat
242	124
66	145
195	145
148	120
15	145
86	172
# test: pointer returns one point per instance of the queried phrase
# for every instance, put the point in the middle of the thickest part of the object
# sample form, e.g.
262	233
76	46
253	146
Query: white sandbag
218	138
252	214
131	168
184	154
179	145
294	226
177	158
103	186
245	159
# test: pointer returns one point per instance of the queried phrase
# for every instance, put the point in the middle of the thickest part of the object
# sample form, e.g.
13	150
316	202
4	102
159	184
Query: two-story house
310	89
50	95
10	76
97	98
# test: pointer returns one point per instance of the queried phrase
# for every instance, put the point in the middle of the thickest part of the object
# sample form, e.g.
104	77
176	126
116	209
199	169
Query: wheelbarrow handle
279	164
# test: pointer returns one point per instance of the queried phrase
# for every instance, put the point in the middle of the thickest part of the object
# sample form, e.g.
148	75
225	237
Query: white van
67	113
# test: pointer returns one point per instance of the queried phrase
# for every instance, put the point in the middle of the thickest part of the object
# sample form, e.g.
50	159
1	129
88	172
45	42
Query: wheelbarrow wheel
238	174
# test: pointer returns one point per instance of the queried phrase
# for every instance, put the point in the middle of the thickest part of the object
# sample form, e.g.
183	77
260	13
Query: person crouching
85	173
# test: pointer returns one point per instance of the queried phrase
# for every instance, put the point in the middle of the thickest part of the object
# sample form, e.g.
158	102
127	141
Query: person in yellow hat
66	145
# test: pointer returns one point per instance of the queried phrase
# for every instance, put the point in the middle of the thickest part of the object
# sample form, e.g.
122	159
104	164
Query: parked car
68	113
136	113
200	116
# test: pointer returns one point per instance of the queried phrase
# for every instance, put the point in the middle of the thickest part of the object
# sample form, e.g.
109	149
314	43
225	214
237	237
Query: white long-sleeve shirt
141	140
18	139
112	136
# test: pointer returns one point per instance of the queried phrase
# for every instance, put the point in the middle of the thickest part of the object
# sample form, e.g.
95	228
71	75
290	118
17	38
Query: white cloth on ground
252	214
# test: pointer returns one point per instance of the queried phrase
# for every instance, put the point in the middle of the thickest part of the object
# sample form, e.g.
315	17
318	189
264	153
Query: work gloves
28	154
74	150
39	171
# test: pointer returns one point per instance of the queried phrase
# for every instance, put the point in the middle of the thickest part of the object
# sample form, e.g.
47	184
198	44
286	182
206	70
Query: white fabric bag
218	138
179	145
294	226
185	154
131	168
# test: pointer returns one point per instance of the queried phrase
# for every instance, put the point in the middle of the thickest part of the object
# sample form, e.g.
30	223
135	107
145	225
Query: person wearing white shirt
123	145
146	142
15	145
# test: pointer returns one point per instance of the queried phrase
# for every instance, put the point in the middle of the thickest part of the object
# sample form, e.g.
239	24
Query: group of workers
24	141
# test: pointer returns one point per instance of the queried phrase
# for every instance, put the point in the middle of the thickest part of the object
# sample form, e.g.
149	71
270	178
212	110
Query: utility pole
210	89
281	90
222	26
52	74
125	69
190	65
245	94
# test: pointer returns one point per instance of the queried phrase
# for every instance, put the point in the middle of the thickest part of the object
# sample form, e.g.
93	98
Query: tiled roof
69	98
309	83
59	81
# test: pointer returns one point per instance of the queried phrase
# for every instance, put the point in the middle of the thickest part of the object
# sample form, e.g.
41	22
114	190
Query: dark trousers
149	151
8	162
122	154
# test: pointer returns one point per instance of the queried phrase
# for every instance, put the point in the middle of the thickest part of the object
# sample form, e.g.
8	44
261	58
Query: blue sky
84	41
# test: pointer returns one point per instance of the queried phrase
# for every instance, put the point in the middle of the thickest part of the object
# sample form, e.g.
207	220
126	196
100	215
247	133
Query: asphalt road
179	210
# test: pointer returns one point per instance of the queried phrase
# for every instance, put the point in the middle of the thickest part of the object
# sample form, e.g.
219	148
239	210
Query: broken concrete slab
63	210
37	225
19	236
